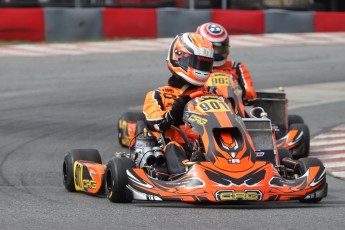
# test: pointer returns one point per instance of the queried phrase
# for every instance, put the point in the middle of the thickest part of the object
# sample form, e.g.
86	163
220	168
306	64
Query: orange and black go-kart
290	130
241	163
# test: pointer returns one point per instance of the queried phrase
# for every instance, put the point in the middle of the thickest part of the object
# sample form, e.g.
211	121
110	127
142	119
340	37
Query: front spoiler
206	183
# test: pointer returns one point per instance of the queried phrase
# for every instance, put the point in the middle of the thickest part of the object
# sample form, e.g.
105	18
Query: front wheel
117	179
302	166
68	163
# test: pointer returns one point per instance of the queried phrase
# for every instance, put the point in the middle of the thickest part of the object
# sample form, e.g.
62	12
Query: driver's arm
156	117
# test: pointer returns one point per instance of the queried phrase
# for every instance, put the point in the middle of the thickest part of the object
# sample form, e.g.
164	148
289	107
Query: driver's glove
174	116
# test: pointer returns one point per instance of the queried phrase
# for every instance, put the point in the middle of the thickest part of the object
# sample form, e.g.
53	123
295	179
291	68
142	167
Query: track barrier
73	24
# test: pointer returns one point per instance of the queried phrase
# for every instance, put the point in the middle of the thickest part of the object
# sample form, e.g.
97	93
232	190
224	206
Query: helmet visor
201	63
223	49
196	62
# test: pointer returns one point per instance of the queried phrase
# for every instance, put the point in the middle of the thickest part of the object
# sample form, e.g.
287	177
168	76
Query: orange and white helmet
191	58
219	37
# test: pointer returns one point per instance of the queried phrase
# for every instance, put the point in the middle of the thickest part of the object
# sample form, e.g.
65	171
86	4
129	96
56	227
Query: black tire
301	150
283	153
295	119
128	116
302	167
116	179
75	155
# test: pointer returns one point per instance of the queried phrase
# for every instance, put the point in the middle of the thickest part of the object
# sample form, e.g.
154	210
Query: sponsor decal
214	29
89	184
202	58
92	172
231	195
80	183
197	119
235	161
260	154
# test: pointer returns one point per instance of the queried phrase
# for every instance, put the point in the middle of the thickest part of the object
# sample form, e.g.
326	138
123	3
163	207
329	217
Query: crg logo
231	195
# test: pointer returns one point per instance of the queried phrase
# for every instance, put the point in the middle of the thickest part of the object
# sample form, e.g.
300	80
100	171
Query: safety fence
71	24
195	4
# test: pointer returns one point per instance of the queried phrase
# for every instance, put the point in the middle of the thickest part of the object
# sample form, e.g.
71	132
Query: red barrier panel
329	22
130	23
22	24
240	21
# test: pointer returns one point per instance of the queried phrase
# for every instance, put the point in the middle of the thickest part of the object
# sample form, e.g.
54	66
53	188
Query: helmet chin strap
184	88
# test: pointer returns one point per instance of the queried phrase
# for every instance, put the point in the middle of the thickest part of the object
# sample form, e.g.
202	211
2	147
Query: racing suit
243	76
156	109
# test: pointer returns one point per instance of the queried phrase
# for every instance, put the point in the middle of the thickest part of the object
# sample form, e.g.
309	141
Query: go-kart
241	163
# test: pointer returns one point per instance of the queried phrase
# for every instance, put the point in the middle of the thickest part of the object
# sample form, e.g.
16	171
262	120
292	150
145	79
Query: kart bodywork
237	167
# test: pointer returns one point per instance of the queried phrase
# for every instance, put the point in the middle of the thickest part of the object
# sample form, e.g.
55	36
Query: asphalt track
49	105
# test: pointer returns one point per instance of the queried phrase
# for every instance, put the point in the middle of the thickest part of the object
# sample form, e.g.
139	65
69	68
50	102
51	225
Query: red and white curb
123	46
330	149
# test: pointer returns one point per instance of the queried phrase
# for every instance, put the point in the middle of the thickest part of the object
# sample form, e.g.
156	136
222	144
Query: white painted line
245	43
334	164
339	174
328	156
328	142
17	52
286	37
336	148
329	135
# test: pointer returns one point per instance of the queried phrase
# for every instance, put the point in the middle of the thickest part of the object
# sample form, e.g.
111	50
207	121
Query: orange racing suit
243	76
159	101
157	106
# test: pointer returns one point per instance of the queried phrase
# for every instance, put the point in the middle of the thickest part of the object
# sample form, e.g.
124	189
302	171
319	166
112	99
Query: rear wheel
75	155
302	150
117	179
295	119
302	167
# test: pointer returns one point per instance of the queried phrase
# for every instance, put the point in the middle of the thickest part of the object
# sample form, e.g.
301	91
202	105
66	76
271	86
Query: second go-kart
241	163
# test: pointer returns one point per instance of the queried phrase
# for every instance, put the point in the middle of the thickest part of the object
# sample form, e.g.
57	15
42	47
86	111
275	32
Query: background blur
319	5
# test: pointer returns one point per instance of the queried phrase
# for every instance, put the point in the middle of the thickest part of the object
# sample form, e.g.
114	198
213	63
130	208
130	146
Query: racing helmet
219	37
190	57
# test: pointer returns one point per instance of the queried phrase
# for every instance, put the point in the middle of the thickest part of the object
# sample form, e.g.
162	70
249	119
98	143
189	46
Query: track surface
49	105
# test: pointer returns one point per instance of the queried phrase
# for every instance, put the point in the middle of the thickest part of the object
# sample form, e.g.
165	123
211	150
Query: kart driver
190	60
219	37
